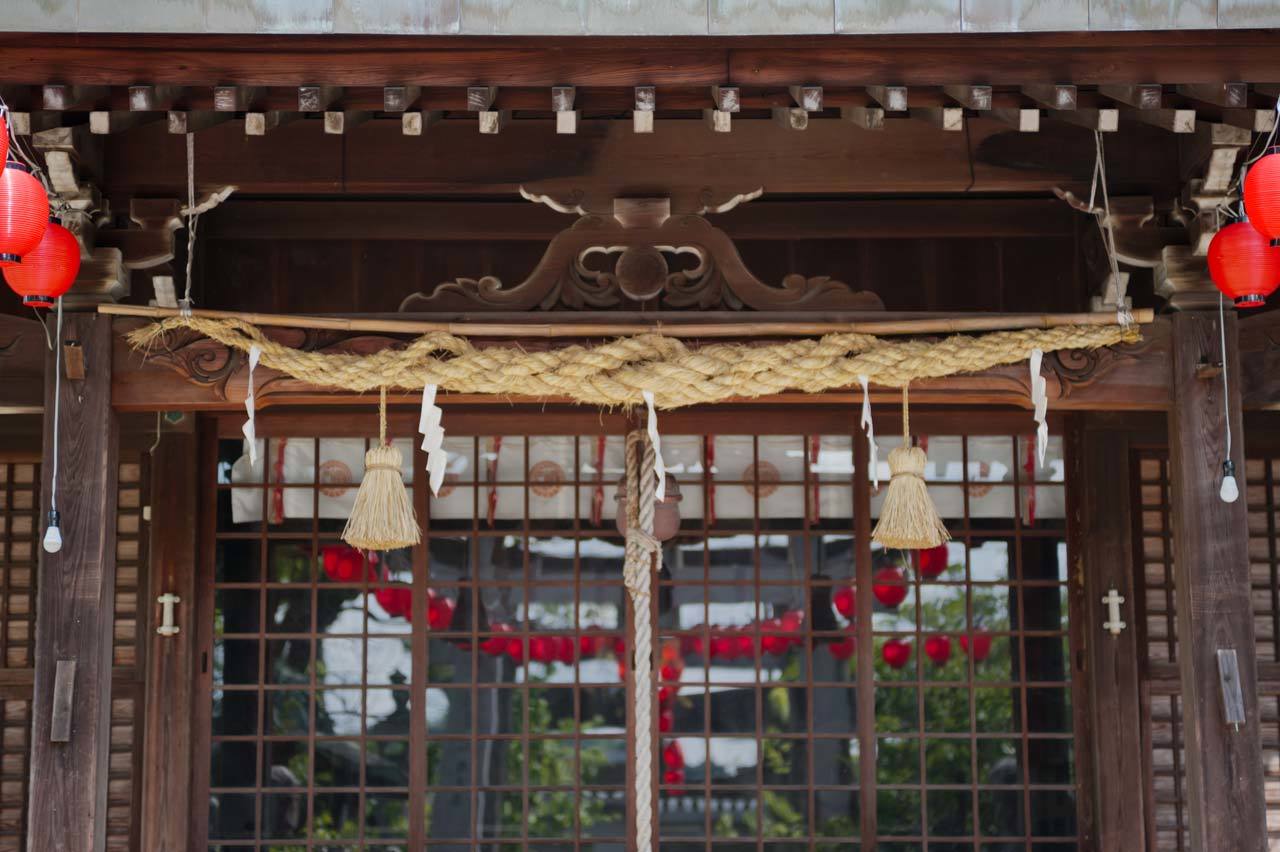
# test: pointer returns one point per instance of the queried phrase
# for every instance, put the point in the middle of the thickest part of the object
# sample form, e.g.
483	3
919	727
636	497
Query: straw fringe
908	518
382	517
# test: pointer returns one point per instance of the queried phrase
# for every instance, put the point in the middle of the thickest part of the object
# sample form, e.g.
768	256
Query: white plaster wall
628	17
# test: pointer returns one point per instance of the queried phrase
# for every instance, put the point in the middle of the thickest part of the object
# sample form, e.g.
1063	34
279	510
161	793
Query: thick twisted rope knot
617	372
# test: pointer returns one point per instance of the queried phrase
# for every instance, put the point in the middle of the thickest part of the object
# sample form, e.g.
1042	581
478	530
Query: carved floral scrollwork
640	270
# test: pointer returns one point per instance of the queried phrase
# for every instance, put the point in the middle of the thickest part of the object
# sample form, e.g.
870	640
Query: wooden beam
562	98
170	660
609	157
154	98
338	122
184	121
868	118
1225	792
646	103
1021	119
1102	559
1106	119
726	101
261	123
892	98
1172	120
235	98
1234	95
950	119
414	122
22	357
317	98
103	122
1059	96
399	98
1145	96
63	97
68	805
970	97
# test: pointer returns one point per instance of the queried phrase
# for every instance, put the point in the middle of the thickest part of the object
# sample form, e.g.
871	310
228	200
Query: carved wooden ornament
684	262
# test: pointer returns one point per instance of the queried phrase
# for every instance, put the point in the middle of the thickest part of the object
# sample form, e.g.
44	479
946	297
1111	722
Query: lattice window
1162	683
19	543
128	673
496	716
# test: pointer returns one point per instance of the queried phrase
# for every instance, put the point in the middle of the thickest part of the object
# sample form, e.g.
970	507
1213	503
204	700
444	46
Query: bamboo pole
943	325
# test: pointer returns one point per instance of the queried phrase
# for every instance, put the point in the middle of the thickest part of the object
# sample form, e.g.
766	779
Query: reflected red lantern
938	649
397	601
439	611
673	755
978	646
1244	265
564	650
24	213
896	653
1262	194
842	649
933	561
890	587
341	563
845	601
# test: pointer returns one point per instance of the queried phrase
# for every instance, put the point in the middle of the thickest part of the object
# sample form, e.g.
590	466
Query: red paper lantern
48	270
896	653
1262	194
4	136
978	646
24	213
846	602
933	562
938	649
1244	264
890	587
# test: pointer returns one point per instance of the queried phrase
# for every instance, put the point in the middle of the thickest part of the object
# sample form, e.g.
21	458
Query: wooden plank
370	61
166	770
606	159
1101	528
22	363
1058	96
67	810
1223	767
764	219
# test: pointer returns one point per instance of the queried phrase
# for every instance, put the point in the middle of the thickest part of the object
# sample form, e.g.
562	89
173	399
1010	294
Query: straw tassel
382	517
908	518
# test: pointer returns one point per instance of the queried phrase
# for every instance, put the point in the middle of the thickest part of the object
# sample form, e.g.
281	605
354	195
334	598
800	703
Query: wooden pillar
1224	765
1101	532
166	773
71	710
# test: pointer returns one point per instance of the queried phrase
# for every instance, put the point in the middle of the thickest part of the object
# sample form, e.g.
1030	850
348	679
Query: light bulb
53	536
1229	492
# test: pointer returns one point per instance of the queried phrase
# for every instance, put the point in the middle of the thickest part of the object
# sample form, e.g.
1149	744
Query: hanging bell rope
382	517
908	518
637	575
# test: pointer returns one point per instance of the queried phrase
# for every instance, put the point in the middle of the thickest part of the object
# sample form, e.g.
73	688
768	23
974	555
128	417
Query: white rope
638	576
1123	315
192	218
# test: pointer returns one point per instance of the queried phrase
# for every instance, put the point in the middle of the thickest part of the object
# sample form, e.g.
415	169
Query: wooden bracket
64	685
73	360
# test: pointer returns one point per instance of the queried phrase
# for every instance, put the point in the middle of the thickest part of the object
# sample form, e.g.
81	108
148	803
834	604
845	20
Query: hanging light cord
1226	388
57	406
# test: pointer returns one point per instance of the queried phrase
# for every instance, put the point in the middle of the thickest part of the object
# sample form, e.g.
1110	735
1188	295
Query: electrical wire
57	406
1226	388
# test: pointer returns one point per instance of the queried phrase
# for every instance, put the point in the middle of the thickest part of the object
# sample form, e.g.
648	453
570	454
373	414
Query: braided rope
637	574
618	371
